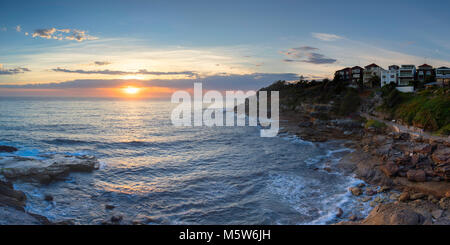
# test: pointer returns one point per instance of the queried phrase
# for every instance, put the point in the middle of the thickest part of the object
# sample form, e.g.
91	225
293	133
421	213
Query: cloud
63	34
307	54
18	28
101	63
112	72
221	81
326	37
44	33
79	36
13	71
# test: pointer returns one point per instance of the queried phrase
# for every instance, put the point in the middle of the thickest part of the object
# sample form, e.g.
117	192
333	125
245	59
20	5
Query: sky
94	48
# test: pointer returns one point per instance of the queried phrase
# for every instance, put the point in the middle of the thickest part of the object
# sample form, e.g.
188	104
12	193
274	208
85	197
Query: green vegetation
350	103
345	100
444	130
375	124
428	109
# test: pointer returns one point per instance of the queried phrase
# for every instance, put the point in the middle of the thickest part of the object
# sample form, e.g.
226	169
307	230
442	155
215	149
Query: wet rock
373	204
378	199
394	196
116	218
423	149
405	217
366	148
404	197
441	156
444	203
66	222
415	159
443	171
12	216
10	197
393	214
339	212
437	213
370	192
416	175
356	191
402	160
384	189
417	196
48	198
47	170
390	169
9	149
109	206
436	179
366	199
328	169
353	218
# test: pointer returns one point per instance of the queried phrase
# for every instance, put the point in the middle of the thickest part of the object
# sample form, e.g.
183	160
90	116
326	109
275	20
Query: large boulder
443	171
9	149
10	197
356	191
390	169
423	149
392	214
416	175
46	170
441	156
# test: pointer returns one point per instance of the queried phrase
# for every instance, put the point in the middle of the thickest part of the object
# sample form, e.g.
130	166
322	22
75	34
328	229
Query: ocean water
189	175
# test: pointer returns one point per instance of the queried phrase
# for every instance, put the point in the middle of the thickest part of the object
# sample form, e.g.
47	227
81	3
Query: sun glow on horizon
131	90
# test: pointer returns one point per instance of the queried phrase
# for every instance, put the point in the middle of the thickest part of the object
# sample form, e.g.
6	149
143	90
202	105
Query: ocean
173	175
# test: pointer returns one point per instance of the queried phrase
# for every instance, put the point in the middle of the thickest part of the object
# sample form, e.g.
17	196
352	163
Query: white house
389	76
406	74
443	76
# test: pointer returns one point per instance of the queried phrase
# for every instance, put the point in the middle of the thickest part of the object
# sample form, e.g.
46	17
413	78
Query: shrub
386	89
375	124
392	99
349	103
424	119
444	130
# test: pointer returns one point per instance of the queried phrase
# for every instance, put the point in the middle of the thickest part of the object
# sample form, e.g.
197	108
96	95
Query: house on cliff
371	71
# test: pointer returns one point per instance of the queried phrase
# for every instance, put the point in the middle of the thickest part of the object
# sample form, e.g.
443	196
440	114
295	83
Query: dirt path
410	130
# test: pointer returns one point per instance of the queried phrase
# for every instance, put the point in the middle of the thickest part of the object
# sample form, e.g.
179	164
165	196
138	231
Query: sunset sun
131	90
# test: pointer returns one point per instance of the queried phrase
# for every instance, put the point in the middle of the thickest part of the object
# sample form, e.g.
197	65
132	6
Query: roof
425	66
394	66
443	67
357	67
345	69
371	65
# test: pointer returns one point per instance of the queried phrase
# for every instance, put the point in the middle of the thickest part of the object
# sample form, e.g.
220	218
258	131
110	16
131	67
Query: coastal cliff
409	163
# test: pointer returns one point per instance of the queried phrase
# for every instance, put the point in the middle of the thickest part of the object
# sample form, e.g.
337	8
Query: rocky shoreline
407	177
413	172
50	168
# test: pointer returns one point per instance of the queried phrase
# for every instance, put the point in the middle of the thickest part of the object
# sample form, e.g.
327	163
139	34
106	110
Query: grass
375	124
428	109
